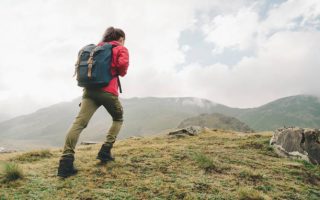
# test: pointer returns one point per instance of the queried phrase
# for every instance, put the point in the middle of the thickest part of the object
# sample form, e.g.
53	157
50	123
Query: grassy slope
301	110
213	165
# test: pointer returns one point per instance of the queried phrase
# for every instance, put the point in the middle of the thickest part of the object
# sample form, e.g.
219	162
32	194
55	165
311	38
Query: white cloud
287	64
42	38
244	29
41	41
284	60
283	16
185	48
233	30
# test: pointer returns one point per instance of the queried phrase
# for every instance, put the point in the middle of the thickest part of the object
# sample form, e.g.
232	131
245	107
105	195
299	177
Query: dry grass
32	156
213	165
11	172
247	193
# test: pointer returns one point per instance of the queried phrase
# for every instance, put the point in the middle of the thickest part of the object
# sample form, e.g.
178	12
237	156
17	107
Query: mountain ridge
149	115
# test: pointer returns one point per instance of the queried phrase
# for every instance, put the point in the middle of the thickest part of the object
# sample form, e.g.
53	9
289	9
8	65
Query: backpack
93	67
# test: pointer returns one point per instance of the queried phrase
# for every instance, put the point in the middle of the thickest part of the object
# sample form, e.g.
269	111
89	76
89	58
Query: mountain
142	116
213	165
216	121
146	116
301	110
39	129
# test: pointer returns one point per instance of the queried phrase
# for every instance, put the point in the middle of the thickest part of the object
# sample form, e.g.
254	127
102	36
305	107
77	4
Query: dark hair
112	34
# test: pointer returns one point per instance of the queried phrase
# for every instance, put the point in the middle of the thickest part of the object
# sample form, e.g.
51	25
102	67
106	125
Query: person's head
114	34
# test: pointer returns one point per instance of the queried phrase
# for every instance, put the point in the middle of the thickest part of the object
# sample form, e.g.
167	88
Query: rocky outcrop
216	121
190	130
297	143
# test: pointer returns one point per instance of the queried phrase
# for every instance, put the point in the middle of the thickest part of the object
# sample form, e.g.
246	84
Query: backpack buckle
90	63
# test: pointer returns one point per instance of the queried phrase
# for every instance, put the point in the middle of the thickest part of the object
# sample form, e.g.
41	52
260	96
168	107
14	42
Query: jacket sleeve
123	61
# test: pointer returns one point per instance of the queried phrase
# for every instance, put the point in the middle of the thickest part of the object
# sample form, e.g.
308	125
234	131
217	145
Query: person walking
93	98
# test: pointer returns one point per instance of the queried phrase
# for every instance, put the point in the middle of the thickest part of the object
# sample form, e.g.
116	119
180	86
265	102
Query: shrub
12	172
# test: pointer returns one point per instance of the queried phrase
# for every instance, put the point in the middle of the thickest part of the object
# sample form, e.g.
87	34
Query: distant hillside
4	117
213	165
146	116
301	110
142	116
216	121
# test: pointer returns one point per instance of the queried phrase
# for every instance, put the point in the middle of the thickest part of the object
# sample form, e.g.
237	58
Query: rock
190	130
4	150
88	143
135	137
297	143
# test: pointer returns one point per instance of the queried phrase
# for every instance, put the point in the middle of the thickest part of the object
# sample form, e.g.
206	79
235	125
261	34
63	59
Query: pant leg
113	132
114	108
88	107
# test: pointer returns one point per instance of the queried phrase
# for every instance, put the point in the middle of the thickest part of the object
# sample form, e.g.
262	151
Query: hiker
93	98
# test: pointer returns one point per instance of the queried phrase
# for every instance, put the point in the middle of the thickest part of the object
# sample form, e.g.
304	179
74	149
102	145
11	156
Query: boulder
190	130
298	143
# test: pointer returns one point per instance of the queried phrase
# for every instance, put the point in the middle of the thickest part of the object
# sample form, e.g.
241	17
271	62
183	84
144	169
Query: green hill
301	110
212	165
216	121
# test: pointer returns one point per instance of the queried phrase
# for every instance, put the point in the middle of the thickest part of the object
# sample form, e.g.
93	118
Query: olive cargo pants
92	99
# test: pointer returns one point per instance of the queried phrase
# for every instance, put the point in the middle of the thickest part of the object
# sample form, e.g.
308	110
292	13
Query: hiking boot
104	154
66	167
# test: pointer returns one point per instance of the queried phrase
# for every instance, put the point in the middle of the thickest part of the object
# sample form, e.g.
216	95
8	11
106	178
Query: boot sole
67	175
104	161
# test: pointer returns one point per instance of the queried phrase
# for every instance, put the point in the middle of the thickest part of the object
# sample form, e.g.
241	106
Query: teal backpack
93	67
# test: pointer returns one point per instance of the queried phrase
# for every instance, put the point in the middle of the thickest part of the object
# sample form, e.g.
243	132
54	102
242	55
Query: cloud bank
274	52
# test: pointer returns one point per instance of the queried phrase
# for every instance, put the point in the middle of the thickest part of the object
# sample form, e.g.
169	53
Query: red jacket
120	64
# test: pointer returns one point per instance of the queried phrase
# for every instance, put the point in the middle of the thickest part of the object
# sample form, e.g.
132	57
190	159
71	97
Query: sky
242	53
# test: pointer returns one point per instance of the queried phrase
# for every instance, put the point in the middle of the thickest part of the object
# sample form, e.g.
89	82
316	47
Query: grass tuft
250	175
248	193
264	188
307	164
12	172
33	156
207	163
